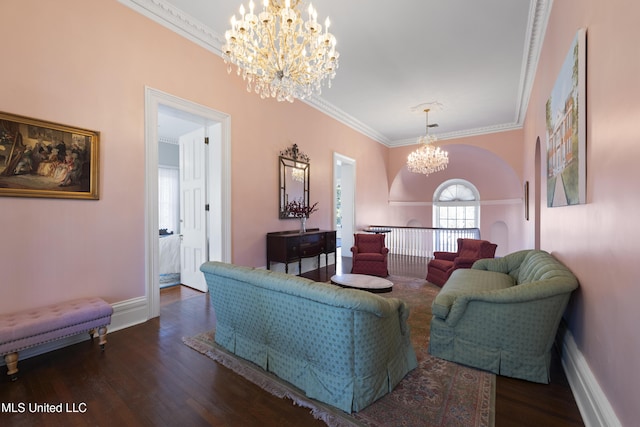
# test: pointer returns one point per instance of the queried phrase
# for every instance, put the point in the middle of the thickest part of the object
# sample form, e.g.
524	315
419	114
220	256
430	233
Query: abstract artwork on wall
566	129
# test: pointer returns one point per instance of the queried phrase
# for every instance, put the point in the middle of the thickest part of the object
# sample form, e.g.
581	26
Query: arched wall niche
501	198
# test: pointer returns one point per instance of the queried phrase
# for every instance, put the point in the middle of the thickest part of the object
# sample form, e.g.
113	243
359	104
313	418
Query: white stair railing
423	241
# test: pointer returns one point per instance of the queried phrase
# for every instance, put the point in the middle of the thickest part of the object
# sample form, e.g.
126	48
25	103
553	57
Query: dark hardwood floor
148	377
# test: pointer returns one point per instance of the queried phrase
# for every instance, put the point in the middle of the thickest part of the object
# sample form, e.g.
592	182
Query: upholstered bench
29	328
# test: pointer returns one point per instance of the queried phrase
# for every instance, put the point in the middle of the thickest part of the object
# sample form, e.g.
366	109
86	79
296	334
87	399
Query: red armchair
469	251
369	255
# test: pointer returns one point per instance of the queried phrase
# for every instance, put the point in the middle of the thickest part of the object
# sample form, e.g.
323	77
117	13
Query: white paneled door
193	216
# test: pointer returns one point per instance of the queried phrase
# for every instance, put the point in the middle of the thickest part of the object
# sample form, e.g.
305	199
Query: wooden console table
289	246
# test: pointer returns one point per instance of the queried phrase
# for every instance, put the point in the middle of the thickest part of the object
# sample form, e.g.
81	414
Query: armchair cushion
369	255
445	256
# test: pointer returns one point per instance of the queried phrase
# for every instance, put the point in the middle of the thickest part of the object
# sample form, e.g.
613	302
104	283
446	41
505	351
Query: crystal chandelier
297	173
427	159
278	54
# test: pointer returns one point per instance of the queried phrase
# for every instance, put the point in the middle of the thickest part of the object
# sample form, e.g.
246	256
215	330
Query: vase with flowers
298	209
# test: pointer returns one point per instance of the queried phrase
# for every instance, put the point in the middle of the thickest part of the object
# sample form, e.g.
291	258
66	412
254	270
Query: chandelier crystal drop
297	173
427	159
279	54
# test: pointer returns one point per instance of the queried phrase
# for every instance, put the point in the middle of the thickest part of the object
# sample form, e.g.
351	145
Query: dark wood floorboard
148	377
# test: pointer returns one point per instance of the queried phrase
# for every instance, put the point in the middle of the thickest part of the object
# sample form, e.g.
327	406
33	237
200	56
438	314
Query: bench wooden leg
11	360
102	334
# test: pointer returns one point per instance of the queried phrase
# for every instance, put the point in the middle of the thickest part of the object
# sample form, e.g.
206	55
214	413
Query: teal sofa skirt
344	347
502	315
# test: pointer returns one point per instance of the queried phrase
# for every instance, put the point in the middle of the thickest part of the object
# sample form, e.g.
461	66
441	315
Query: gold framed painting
44	159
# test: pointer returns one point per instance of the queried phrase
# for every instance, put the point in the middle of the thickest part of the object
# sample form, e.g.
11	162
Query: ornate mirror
293	179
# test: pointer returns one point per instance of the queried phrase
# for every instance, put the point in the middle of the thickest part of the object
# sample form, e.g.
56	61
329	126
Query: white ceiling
474	58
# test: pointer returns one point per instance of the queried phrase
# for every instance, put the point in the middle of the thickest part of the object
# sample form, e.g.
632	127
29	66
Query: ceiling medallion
279	54
427	159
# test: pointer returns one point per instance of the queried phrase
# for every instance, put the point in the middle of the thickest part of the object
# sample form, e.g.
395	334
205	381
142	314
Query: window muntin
456	205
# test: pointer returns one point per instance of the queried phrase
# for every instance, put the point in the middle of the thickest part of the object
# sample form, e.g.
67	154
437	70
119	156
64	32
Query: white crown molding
189	27
176	20
343	117
536	29
460	134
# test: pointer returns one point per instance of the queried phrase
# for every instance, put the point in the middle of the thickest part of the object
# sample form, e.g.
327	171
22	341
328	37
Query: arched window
456	204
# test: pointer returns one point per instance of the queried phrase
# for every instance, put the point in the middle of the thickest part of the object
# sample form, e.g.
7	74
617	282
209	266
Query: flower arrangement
298	209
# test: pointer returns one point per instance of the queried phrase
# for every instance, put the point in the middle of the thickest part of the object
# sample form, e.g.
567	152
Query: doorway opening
344	196
205	211
537	193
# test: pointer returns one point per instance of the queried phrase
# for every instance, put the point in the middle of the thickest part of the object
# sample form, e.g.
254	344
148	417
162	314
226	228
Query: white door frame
154	98
348	199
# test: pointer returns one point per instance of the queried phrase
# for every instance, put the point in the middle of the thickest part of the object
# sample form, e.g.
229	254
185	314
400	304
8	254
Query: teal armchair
502	315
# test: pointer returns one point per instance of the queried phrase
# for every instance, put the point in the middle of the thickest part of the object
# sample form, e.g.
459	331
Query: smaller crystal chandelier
427	159
279	54
301	162
297	173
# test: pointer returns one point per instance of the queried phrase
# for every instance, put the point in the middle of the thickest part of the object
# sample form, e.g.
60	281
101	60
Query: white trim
125	314
412	203
153	99
593	404
486	130
169	16
128	313
192	29
539	13
343	117
346	237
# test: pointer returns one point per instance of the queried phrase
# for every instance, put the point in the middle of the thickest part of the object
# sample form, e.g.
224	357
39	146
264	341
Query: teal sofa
502	315
344	347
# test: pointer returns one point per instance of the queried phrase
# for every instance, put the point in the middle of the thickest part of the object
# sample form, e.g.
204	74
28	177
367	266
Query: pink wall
86	64
599	240
88	68
492	163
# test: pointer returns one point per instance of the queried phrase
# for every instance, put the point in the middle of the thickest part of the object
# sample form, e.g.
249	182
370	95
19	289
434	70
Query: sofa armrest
519	294
403	317
509	264
461	262
497	265
447	256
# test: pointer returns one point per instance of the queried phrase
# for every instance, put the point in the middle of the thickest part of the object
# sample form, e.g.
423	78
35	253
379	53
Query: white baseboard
593	404
129	313
125	314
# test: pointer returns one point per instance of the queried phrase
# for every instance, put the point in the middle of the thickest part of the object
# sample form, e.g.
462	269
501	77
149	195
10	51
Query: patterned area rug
436	393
